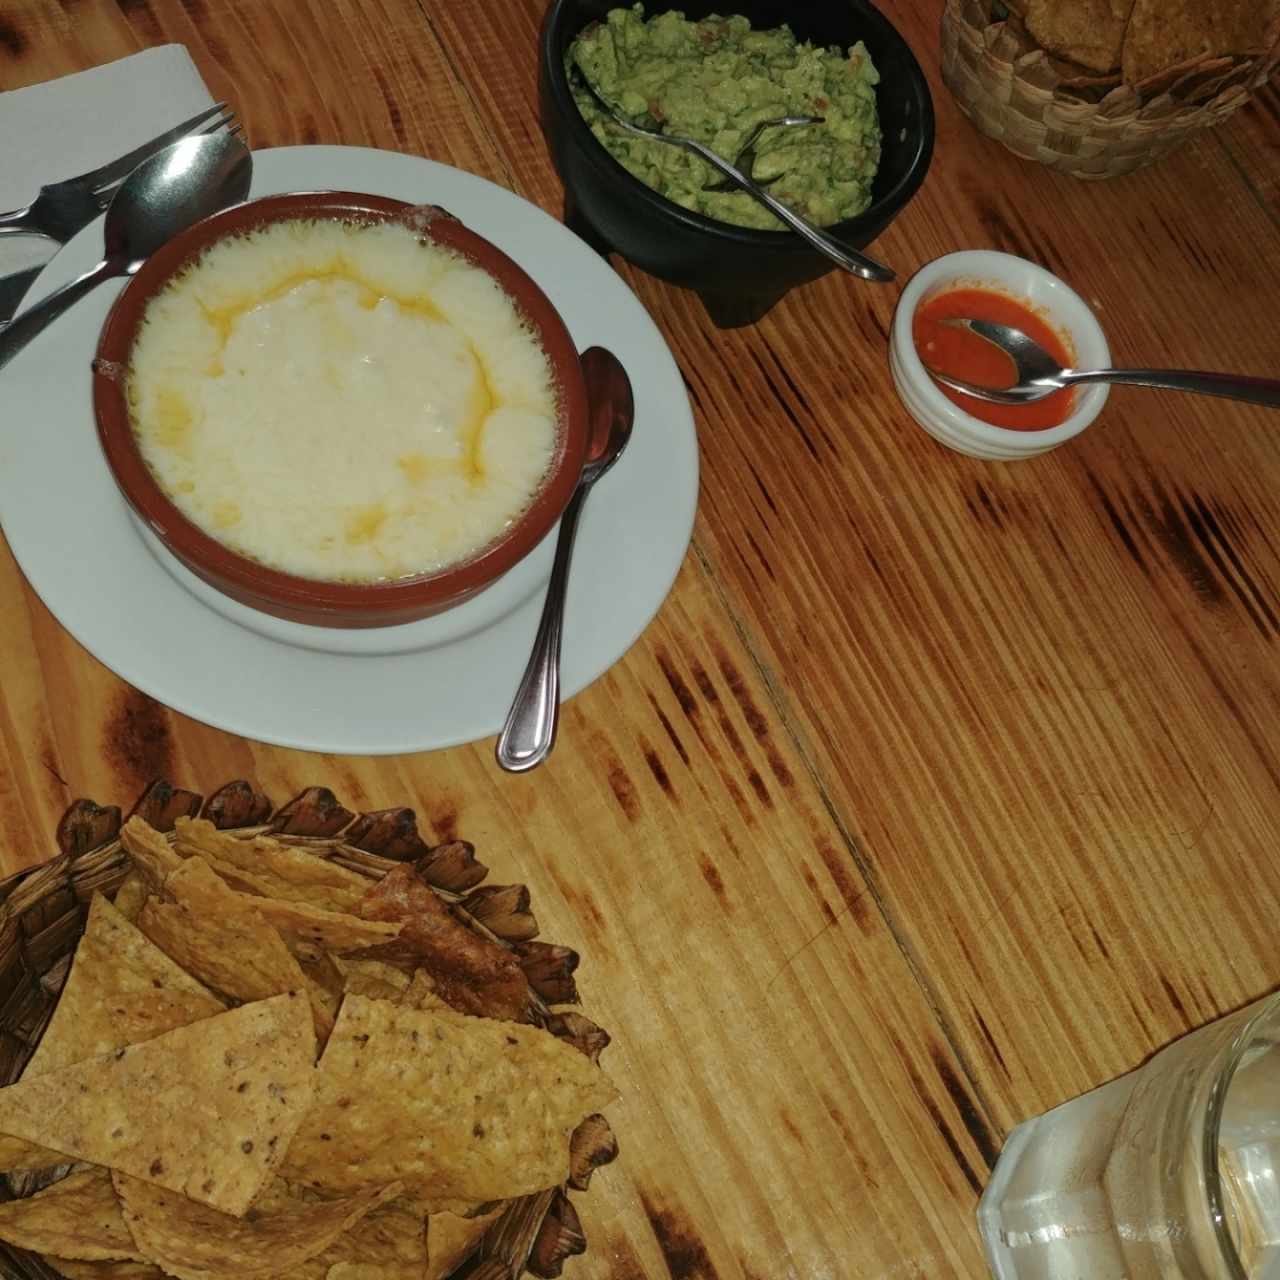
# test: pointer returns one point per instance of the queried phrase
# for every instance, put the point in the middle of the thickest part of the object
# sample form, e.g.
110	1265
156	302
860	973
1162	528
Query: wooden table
938	792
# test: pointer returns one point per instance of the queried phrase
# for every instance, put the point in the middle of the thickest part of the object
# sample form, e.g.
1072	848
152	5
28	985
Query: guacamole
714	81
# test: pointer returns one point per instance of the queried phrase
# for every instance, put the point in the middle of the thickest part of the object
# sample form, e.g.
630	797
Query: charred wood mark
970	1116
839	866
841	1122
48	759
394	117
992	511
793	387
712	697
669	729
1098	942
789	1124
871	560
142	19
760	555
877	323
1011	233
1005	237
754	717
764	488
1188	244
1175	1000
12	41
684	695
940	1123
624	790
136	740
658	769
682	1248
1170	528
989	1038
1213	534
1118	523
812	881
1200	547
693	713
784	400
692	391
711	874
1140	1016
444	821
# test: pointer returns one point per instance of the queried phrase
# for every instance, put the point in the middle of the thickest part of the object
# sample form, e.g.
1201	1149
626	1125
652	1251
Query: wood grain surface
938	792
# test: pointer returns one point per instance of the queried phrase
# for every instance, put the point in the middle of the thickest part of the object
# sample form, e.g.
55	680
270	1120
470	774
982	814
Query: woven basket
1090	126
43	912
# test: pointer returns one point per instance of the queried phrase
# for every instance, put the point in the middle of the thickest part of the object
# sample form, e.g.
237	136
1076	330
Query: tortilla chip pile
1150	45
263	1064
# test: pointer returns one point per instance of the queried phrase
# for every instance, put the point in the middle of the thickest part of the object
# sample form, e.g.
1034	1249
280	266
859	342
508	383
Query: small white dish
1044	292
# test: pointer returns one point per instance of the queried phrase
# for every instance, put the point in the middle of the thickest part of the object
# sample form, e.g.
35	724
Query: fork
60	209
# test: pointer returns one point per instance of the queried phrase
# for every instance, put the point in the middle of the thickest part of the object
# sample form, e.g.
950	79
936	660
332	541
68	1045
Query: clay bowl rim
249	581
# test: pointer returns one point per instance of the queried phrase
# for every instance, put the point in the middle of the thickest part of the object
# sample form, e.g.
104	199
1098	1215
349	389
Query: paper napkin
64	127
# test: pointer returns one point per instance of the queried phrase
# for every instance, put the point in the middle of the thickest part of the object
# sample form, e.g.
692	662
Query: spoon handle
1230	386
37	318
530	731
850	259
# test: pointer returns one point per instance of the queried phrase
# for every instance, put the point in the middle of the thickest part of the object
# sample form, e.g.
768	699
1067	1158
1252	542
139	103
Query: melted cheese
342	402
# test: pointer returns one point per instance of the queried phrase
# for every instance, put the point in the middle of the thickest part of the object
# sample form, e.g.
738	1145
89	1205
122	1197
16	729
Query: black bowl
740	272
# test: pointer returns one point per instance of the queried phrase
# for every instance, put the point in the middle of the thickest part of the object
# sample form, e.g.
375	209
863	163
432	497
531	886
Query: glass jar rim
1267	1007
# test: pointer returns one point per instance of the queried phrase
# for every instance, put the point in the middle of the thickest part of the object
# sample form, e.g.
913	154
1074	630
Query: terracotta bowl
324	603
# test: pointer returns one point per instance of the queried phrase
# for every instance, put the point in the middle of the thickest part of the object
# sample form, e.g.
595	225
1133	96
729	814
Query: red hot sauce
964	355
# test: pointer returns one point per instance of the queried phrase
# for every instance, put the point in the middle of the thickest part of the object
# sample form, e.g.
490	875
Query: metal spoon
1037	374
745	160
164	195
850	259
530	732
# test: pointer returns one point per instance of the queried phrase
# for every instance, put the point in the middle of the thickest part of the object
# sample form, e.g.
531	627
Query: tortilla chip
75	1270
421	993
1090	32
324	985
334	931
1166	33
207	1110
194	1242
77	1218
373	978
453	1238
505	1134
121	990
282	870
390	1243
130	896
472	973
153	857
219	936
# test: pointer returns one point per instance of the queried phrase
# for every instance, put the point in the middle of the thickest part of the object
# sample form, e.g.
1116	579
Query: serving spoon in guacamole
850	260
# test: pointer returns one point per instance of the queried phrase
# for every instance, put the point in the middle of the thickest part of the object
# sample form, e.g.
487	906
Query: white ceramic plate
79	546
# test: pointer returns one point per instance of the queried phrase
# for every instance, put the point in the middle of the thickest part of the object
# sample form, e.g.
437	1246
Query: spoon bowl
174	189
745	160
1037	374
